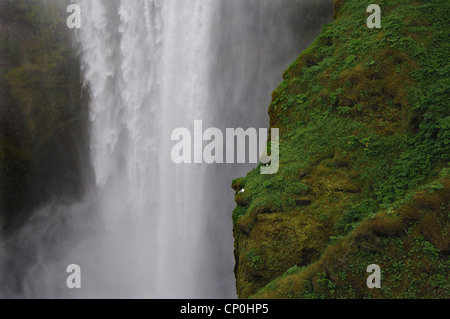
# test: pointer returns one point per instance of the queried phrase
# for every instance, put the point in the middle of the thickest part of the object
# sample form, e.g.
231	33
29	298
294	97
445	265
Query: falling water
150	228
146	63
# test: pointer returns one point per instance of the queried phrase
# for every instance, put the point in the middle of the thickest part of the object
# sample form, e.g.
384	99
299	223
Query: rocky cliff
43	111
364	150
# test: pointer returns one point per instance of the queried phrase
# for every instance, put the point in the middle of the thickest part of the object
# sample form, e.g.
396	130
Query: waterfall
146	63
150	228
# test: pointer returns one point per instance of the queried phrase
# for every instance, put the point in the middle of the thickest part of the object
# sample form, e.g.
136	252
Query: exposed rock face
43	111
364	151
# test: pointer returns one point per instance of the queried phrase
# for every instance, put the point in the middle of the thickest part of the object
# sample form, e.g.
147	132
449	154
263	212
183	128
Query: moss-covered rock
43	113
364	124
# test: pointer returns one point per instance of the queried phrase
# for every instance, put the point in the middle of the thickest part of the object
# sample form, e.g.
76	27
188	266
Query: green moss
413	260
364	126
43	113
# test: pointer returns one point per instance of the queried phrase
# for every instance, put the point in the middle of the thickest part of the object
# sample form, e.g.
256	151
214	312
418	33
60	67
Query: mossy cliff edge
43	111
364	150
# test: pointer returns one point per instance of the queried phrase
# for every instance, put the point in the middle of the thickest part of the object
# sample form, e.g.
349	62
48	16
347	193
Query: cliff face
43	113
364	150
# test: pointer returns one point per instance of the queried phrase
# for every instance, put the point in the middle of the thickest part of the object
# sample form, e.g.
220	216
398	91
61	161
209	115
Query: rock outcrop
364	149
43	109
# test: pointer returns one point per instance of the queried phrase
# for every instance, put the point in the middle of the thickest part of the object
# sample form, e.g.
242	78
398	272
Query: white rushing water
146	65
141	84
150	228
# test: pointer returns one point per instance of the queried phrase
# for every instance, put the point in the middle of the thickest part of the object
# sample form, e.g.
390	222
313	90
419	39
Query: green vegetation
42	111
364	149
